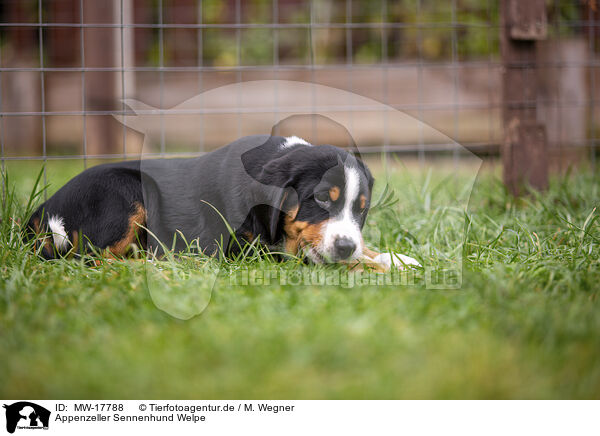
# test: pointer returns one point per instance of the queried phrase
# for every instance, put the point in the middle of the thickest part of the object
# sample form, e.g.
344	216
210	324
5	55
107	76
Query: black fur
96	203
178	194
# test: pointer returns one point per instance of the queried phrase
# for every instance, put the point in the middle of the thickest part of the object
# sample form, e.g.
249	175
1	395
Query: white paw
399	261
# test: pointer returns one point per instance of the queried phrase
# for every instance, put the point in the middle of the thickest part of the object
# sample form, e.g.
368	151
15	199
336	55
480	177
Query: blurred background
67	65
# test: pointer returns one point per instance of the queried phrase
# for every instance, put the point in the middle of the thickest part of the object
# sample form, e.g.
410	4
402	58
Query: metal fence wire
68	66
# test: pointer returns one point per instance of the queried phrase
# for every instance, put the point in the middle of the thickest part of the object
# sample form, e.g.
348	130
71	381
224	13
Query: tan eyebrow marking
334	193
363	201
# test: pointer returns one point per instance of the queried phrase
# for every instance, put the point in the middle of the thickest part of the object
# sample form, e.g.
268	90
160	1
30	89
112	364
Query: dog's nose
344	247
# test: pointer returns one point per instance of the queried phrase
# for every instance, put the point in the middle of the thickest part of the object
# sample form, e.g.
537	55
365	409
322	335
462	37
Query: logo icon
26	415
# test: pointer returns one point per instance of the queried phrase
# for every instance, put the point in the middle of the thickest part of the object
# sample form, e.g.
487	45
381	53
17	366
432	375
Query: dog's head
325	218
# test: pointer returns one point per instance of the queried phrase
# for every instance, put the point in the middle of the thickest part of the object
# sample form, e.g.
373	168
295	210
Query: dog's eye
322	196
363	202
360	206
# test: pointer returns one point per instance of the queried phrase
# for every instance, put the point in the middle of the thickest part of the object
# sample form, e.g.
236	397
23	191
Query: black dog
283	191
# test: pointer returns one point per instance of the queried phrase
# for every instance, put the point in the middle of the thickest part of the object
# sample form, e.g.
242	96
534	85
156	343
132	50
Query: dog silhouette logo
26	415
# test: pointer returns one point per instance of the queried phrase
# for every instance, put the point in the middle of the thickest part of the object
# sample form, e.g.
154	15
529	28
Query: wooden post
563	99
21	90
524	151
142	36
100	89
180	44
63	44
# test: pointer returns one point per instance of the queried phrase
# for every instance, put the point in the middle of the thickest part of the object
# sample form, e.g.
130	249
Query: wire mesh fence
68	67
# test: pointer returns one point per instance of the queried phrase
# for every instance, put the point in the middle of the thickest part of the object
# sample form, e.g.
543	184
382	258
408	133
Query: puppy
283	192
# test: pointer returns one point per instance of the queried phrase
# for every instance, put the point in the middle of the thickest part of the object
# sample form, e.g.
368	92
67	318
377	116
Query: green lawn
524	324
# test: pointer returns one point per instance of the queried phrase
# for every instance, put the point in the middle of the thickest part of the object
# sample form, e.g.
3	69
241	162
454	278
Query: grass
525	323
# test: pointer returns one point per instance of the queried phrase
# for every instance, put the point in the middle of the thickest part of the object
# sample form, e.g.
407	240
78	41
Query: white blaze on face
344	225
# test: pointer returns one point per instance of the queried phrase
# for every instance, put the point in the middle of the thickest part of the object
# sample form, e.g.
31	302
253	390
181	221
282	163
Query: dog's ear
268	219
271	165
280	172
288	205
278	197
258	162
275	170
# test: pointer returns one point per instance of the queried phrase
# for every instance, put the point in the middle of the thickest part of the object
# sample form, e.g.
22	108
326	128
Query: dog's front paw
395	260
